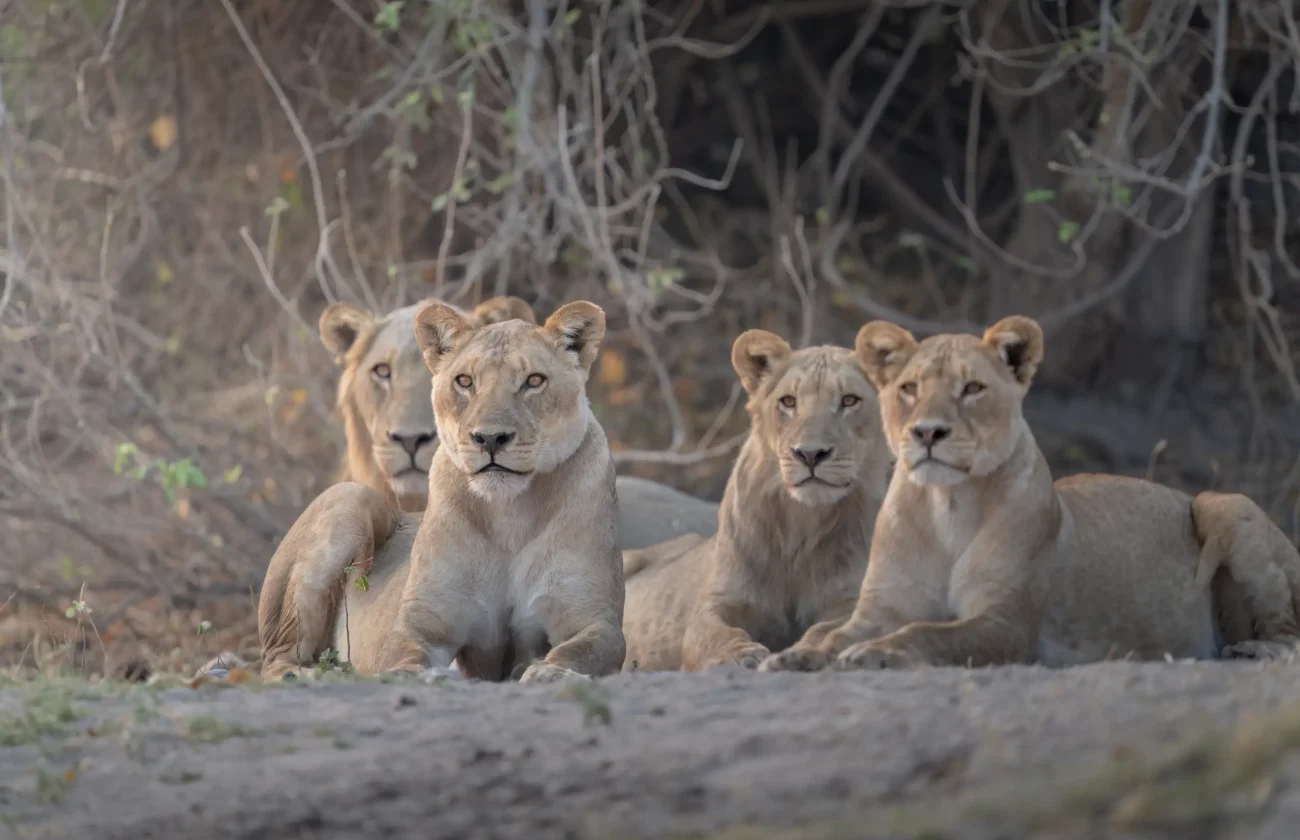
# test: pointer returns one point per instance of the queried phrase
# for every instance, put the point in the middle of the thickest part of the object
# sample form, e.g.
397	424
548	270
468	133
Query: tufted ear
883	348
440	329
755	354
340	325
498	309
1018	341
578	328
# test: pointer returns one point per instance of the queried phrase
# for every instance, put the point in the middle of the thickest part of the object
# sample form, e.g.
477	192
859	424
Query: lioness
515	558
795	523
978	558
383	396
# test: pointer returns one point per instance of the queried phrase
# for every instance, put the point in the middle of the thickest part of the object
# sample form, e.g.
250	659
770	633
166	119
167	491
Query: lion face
814	410
384	390
952	404
510	398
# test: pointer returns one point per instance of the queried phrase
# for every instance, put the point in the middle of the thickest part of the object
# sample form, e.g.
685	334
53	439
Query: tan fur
375	409
978	558
505	571
383	394
789	556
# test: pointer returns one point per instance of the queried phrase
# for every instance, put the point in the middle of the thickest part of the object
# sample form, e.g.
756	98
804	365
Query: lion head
510	398
383	393
814	410
951	404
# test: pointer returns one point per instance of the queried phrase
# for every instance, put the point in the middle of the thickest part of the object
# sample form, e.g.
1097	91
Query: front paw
797	659
545	672
868	656
747	656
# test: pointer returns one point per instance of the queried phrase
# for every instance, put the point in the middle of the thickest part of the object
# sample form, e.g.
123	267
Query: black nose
812	457
411	443
492	442
928	433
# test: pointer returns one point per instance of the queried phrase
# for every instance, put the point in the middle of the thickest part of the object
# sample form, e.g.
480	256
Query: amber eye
382	371
535	380
850	400
972	388
787	401
907	389
464	380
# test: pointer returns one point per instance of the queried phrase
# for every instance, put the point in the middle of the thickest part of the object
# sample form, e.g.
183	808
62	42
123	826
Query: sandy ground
1115	750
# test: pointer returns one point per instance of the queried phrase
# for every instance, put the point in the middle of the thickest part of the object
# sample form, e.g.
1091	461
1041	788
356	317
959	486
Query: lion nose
411	443
491	441
930	432
812	457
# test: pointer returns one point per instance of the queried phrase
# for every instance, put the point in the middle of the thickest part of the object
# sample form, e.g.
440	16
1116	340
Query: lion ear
578	328
755	354
1018	341
340	325
884	349
440	329
505	308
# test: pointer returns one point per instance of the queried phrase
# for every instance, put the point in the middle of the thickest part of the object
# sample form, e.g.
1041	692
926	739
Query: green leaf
659	279
1039	196
1124	195
439	203
823	216
389	16
571	16
122	456
232	475
137	472
1067	231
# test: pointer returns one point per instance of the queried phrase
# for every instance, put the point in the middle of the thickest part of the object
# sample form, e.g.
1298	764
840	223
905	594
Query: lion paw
797	659
869	657
545	672
748	657
1264	651
431	676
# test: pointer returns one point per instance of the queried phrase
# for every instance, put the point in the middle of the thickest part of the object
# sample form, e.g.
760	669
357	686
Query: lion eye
788	401
535	380
908	389
972	388
465	380
850	400
382	371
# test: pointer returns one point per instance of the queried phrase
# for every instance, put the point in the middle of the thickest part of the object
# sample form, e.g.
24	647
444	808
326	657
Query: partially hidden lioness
978	558
794	528
383	396
514	565
383	393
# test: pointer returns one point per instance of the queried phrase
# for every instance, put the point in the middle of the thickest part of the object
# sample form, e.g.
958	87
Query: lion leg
1237	536
596	650
716	635
304	580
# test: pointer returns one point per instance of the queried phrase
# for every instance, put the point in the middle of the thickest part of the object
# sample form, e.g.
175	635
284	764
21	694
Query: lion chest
506	609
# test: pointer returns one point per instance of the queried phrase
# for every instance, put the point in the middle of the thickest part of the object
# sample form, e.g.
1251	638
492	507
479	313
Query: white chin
410	484
934	474
815	494
498	486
